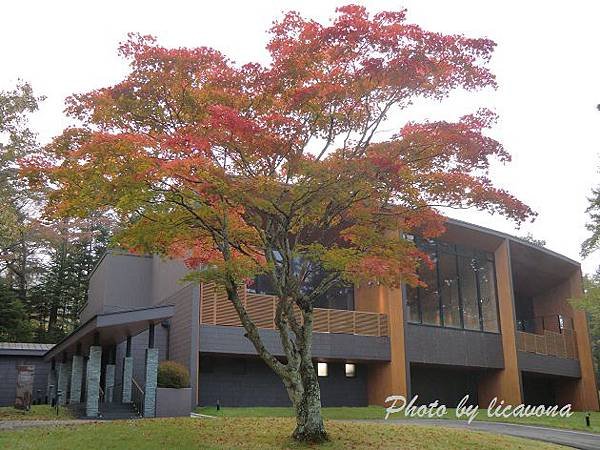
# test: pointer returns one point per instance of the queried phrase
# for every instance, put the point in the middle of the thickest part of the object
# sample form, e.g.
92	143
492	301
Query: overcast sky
547	63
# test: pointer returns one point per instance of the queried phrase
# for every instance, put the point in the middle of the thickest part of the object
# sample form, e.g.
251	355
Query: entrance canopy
110	329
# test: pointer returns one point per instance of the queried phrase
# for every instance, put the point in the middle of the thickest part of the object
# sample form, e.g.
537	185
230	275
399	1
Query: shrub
173	375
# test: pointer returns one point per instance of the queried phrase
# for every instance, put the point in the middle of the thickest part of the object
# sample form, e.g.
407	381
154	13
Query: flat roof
111	328
24	348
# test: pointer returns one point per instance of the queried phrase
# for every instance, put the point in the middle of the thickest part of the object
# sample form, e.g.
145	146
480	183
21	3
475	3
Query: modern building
494	321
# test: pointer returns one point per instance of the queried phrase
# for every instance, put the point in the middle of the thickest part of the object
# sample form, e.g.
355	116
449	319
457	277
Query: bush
173	375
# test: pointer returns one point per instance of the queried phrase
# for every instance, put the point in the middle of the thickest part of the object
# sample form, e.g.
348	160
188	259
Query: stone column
76	378
109	382
93	381
64	374
127	375
150	384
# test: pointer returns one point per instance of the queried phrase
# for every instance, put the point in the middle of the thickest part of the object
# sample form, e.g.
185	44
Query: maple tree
277	170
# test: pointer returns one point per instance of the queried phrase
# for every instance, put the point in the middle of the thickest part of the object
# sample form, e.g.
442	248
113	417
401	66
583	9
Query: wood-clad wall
583	394
505	383
388	378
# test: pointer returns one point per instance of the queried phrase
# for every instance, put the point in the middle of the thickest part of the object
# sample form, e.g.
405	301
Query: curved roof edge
500	234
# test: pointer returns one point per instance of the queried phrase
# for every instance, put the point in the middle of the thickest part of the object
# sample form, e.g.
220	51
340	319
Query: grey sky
547	63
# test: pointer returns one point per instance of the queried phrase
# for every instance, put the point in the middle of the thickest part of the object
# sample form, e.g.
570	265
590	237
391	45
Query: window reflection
489	303
412	304
460	292
338	296
467	267
449	291
428	296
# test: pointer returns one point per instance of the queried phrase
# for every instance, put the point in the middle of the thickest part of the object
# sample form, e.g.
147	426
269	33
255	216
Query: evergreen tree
14	326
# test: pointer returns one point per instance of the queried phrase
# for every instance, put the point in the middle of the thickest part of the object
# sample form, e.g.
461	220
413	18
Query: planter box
172	402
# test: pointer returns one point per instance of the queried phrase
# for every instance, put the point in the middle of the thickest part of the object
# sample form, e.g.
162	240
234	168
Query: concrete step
118	413
109	411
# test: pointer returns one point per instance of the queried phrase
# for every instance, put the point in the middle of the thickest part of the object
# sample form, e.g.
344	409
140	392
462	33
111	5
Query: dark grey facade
447	385
327	346
549	365
13	355
447	346
236	381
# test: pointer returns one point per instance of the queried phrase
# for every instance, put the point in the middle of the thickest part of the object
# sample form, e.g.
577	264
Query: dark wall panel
446	346
448	386
549	365
8	377
249	382
231	340
539	390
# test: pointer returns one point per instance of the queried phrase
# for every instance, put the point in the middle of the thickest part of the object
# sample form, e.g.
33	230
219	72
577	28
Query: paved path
18	424
570	438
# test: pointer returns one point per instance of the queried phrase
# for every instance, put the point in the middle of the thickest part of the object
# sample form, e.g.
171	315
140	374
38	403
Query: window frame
346	365
437	248
322	364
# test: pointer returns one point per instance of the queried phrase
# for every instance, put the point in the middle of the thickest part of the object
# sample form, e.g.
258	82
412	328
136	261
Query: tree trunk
309	422
298	374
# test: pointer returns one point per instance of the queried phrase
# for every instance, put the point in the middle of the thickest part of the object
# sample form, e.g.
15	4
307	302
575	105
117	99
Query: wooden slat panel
208	306
519	341
540	345
261	310
321	320
367	324
216	309
529	341
226	313
561	345
341	321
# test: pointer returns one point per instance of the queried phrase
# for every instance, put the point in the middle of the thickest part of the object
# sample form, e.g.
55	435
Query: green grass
369	412
251	433
575	422
37	412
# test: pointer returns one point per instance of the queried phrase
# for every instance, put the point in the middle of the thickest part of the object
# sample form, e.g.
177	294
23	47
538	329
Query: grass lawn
250	433
575	422
37	412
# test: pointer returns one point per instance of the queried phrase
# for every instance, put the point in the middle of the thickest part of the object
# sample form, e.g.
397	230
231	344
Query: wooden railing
562	345
216	309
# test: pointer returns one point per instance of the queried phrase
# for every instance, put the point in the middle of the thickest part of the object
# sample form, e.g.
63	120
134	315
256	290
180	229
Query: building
13	355
494	321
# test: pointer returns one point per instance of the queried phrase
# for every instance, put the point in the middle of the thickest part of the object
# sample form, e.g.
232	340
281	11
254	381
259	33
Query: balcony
551	335
217	310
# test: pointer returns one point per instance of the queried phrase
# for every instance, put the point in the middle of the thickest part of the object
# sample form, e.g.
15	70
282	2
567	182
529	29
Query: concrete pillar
109	382
127	375
93	381
64	375
76	379
150	382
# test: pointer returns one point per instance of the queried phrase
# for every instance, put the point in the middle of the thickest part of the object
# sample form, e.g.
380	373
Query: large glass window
489	303
339	296
412	304
460	291
428	296
449	290
468	290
